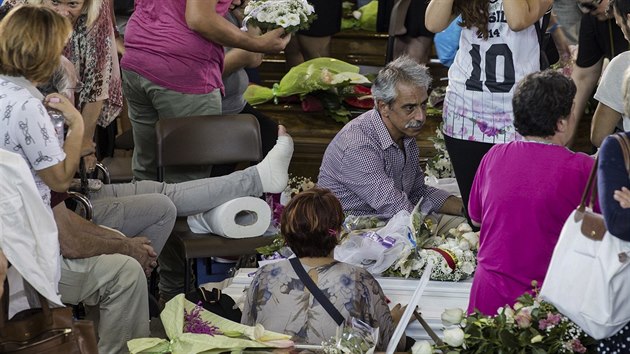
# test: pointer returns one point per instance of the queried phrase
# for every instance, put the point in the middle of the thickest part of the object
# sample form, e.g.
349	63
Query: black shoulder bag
548	52
317	293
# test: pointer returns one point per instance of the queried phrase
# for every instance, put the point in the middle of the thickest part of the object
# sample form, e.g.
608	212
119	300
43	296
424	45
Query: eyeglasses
588	7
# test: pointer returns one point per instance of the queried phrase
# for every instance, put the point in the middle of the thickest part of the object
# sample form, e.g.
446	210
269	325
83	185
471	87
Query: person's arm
237	59
58	177
611	177
202	17
439	15
453	206
90	112
585	80
79	238
604	122
521	14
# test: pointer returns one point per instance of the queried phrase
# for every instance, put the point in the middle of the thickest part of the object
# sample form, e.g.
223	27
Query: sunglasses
587	7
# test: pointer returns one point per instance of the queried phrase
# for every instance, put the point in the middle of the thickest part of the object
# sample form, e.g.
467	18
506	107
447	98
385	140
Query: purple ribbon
386	242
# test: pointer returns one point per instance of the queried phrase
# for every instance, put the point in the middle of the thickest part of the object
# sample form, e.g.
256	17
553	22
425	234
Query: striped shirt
371	174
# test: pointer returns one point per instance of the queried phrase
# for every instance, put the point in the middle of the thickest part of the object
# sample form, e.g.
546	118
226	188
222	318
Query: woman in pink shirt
524	191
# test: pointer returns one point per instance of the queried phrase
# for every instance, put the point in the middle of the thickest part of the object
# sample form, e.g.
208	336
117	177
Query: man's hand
453	206
140	248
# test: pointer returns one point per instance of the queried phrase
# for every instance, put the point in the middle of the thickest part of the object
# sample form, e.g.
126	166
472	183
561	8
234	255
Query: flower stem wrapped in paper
316	75
292	15
213	333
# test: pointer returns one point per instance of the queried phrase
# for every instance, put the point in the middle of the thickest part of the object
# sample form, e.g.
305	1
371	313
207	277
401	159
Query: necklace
544	142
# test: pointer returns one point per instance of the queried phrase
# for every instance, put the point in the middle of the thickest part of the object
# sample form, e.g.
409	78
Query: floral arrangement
363	18
292	15
192	329
439	166
354	337
277	201
530	326
322	84
453	254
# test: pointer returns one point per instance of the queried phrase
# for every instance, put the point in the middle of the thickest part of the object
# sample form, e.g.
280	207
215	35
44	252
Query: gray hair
402	70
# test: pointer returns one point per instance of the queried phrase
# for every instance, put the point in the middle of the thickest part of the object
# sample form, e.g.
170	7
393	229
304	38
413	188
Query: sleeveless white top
478	102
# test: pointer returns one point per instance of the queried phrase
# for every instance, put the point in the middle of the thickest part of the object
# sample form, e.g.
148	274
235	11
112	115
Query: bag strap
317	293
590	188
541	29
624	144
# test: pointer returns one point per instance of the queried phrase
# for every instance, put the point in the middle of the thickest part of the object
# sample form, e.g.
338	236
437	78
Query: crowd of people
508	126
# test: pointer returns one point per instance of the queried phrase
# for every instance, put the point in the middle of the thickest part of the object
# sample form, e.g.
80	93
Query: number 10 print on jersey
492	60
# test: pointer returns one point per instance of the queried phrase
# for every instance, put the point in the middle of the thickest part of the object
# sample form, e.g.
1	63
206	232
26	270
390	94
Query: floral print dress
92	51
278	300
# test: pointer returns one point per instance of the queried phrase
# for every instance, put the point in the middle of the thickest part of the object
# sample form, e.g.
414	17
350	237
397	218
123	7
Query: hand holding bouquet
292	15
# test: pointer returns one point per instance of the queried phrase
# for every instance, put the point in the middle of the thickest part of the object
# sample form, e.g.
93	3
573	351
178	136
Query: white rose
468	268
464	227
454	232
356	14
454	337
294	20
463	245
472	238
452	316
508	312
422	347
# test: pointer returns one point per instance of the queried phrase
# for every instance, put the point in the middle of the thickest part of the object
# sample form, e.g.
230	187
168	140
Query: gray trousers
149	208
113	289
149	103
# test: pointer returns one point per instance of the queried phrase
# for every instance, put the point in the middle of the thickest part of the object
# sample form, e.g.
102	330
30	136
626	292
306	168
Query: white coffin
437	296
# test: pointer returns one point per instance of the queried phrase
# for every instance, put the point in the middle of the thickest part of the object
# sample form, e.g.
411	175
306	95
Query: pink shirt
160	47
522	194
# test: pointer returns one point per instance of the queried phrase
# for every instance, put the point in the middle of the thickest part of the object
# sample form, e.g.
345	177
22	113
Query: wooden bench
313	131
362	48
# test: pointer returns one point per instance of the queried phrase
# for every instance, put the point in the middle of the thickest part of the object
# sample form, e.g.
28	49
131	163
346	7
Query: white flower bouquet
453	254
292	15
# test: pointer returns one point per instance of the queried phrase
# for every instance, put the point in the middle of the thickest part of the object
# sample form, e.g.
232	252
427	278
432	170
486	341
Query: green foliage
530	326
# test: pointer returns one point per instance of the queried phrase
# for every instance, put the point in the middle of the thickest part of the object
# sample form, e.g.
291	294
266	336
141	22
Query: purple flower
273	200
550	321
576	346
194	324
488	130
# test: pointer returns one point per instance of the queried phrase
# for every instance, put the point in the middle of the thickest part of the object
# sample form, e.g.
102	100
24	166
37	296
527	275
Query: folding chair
208	140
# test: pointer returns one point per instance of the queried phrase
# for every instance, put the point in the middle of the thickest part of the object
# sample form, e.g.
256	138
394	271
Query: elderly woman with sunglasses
92	50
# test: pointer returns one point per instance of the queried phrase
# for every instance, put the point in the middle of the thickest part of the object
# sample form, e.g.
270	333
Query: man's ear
383	108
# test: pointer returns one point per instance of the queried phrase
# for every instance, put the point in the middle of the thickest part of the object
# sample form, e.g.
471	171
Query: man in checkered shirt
373	164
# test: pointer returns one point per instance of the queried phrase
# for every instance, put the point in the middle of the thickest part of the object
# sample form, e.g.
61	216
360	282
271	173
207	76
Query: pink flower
550	321
523	318
576	346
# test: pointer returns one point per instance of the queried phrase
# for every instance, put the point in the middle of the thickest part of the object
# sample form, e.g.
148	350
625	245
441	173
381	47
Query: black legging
465	156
